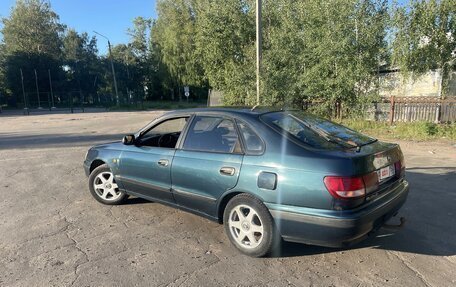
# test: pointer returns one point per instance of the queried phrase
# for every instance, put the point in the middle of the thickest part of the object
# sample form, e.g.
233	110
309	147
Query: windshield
315	131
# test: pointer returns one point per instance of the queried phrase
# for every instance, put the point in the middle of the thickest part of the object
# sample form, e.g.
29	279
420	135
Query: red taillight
345	187
351	187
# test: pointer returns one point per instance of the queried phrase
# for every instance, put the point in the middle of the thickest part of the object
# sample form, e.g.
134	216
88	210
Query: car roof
238	111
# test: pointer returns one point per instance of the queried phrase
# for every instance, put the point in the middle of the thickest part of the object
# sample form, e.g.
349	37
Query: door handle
163	162
227	171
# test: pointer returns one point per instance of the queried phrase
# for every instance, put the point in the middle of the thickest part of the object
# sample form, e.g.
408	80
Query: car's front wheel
103	186
249	225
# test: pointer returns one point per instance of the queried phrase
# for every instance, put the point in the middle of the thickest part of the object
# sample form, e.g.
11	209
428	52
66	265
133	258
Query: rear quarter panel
300	172
300	187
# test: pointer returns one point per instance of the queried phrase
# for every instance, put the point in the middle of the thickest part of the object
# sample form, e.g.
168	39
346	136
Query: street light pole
112	67
258	47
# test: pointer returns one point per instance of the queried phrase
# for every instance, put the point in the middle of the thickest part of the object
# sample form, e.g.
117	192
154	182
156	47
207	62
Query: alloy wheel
106	187
245	226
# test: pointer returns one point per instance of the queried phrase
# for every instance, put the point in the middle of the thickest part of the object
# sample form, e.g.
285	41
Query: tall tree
128	72
83	67
174	35
425	37
34	28
3	89
226	46
32	41
325	51
137	58
139	37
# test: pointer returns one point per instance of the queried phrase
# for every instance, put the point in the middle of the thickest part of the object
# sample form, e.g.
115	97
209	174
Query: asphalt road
52	233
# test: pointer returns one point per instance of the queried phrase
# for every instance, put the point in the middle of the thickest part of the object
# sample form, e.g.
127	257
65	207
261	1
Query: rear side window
315	131
214	134
252	142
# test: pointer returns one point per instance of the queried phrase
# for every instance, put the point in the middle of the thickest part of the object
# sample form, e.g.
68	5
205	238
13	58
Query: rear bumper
337	228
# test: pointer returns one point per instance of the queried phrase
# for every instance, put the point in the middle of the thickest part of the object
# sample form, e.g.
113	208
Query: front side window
165	134
214	134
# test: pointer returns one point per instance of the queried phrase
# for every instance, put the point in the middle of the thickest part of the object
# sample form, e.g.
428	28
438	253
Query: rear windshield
315	131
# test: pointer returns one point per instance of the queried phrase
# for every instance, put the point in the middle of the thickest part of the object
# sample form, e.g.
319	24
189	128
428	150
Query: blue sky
111	18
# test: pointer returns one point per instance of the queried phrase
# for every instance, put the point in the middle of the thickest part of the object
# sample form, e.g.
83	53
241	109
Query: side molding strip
143	184
191	194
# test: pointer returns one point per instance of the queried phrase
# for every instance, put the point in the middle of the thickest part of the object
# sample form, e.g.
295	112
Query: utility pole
112	67
52	93
258	47
23	93
128	82
37	91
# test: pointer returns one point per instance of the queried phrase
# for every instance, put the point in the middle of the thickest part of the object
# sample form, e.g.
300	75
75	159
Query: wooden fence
411	109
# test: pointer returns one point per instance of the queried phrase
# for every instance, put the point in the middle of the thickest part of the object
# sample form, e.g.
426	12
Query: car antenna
254	107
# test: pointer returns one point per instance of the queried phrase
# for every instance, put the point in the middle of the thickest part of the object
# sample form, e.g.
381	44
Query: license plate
385	173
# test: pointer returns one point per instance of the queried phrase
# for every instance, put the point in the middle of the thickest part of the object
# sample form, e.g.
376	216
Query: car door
208	163
145	168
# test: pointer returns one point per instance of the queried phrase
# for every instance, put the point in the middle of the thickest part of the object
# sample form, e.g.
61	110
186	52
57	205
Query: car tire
249	226
103	187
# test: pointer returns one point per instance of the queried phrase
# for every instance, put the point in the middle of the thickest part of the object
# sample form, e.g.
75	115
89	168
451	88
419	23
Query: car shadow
430	227
17	141
40	112
136	200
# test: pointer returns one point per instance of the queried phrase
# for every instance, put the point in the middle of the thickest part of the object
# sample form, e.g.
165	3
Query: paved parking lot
52	233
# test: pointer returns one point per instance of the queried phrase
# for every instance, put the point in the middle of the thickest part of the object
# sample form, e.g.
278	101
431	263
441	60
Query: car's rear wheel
103	186
249	225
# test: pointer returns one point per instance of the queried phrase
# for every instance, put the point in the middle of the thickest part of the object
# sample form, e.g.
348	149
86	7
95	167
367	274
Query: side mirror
129	140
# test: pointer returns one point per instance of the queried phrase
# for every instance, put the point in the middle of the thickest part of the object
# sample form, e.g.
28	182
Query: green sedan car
266	175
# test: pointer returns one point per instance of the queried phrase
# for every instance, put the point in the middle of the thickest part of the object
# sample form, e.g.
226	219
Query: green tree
128	72
425	38
31	41
140	60
226	46
160	84
174	36
82	63
3	89
139	37
34	28
322	51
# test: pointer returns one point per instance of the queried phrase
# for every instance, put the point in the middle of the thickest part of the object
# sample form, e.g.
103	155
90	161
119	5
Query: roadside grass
418	131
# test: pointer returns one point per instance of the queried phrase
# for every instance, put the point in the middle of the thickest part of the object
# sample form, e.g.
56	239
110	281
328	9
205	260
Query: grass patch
407	131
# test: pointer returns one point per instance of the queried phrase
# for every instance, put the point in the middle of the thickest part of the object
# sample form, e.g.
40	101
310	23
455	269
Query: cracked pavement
52	233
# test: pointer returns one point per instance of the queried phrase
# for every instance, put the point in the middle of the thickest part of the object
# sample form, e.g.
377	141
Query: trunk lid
375	156
375	168
384	159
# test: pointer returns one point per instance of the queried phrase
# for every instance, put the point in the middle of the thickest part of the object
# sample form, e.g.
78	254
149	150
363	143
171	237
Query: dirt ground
53	233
